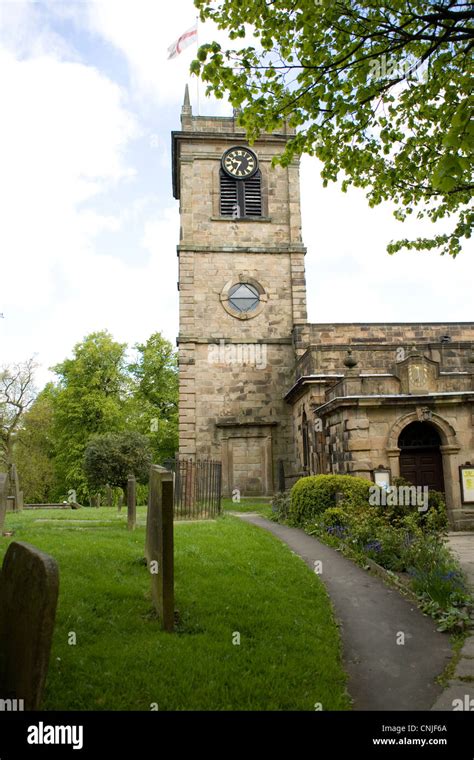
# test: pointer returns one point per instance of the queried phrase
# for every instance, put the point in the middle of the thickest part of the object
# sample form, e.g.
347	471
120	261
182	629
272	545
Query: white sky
88	224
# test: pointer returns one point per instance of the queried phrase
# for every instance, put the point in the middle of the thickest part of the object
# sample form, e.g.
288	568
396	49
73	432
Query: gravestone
131	502
3	499
159	550
120	501
110	496
29	585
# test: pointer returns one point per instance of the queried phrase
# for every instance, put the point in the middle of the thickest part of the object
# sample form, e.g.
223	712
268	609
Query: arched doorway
420	456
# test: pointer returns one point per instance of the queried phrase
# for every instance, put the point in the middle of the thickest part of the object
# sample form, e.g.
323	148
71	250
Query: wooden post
3	499
131	502
15	486
159	549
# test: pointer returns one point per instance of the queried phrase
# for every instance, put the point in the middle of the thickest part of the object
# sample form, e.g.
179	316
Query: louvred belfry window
241	198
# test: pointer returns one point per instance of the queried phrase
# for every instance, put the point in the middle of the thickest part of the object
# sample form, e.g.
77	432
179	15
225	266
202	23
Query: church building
273	397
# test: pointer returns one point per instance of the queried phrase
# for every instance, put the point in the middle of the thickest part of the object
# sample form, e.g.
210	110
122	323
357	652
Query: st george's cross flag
186	39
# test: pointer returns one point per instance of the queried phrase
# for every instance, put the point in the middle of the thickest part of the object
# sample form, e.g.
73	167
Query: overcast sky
88	224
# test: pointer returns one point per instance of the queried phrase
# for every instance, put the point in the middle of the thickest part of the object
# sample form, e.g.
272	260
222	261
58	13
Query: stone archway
446	431
448	448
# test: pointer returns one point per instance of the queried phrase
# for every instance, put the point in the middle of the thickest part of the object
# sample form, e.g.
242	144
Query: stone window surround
216	192
244	279
251	429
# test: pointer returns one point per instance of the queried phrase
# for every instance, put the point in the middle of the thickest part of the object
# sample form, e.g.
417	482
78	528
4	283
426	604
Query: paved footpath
461	686
462	545
382	675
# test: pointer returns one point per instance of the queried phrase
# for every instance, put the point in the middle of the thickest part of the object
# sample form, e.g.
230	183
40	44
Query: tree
17	393
92	389
379	91
34	451
109	459
153	405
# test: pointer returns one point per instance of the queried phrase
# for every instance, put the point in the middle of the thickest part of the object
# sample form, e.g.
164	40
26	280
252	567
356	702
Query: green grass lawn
260	504
230	577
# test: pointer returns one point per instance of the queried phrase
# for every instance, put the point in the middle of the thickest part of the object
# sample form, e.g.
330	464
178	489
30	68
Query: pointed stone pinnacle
187	101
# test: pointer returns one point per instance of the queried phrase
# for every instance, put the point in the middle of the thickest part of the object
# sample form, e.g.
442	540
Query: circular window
243	299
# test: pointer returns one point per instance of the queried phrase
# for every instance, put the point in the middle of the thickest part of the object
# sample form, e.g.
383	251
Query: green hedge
314	494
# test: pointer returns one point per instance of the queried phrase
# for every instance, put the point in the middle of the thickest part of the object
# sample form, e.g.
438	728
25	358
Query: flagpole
197	78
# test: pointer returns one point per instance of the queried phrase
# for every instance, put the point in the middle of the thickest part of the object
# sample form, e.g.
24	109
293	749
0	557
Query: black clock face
239	162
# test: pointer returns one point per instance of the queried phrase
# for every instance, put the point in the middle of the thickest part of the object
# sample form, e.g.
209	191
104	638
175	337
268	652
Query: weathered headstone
110	496
3	499
131	502
29	585
159	550
120	501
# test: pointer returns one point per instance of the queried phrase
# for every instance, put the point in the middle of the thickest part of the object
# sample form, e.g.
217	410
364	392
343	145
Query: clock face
239	162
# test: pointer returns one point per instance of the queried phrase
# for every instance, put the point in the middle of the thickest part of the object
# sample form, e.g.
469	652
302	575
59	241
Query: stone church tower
242	292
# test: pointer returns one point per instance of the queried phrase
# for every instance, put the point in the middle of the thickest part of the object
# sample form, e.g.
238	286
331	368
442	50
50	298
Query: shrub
365	527
388	548
335	517
434	519
315	494
336	522
434	571
280	506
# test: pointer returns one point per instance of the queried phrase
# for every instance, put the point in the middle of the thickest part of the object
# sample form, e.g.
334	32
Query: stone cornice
234	341
319	379
400	399
289	248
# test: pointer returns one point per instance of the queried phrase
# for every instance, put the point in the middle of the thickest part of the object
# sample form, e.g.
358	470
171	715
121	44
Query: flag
186	39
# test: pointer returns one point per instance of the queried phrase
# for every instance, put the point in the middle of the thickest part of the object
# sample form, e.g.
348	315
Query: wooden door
422	467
